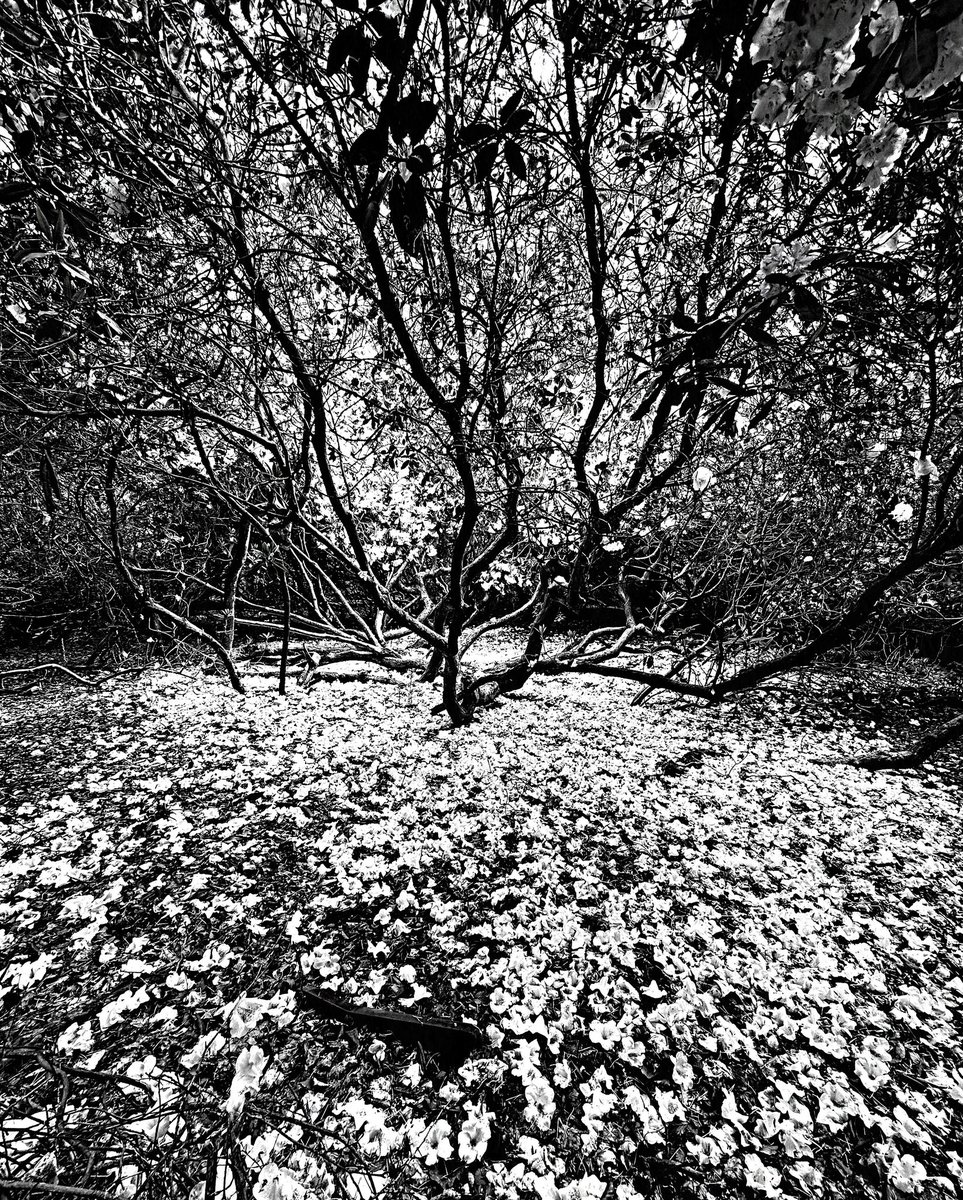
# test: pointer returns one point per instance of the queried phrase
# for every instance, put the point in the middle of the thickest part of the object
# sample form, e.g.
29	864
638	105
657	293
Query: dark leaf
630	112
758	334
348	43
520	117
510	106
736	389
797	138
940	12
726	417
46	215
79	219
762	412
369	147
516	160
870	80
408	211
420	160
11	193
390	49
382	24
484	161
919	56
570	20
105	324
105	30
647	403
422	118
49	329
412	118
24	140
478	132
347	5
358	74
694	33
49	483
806	303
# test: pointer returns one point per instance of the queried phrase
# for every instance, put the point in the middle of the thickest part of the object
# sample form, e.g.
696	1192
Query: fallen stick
52	666
452	1041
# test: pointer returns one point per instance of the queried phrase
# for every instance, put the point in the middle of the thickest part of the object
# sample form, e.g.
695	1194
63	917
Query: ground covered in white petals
703	958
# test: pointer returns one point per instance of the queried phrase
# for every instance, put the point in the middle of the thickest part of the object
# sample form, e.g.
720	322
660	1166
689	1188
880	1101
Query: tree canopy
390	324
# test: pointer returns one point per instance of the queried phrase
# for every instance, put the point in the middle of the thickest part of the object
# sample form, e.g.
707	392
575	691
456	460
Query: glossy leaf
420	161
348	43
369	147
412	118
484	162
516	160
510	105
919	56
480	131
408	211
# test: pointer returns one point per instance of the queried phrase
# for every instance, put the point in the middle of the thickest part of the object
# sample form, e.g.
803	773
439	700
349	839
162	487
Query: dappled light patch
741	976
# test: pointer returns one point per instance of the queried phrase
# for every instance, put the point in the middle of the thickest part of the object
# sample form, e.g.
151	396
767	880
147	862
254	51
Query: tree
451	314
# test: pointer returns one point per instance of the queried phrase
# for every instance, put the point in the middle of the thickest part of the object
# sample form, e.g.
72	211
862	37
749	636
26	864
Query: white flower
605	1034
906	1174
244	1014
902	512
277	1183
361	1113
205	1047
76	1038
760	1177
541	1102
651	1125
129	1180
669	1107
632	1052
545	1188
682	1072
474	1134
701	478
923	465
499	1000
247	1077
430	1142
379	1140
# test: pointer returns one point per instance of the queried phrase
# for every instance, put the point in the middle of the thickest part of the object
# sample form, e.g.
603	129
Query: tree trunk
925	748
242	543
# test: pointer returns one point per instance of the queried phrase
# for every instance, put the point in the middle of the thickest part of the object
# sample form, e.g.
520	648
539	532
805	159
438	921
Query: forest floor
326	946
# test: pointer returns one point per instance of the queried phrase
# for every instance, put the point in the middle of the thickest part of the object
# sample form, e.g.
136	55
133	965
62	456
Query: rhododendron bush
406	320
688	951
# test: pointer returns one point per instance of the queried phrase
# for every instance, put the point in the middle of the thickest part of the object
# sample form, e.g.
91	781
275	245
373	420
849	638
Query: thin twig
51	666
53	1189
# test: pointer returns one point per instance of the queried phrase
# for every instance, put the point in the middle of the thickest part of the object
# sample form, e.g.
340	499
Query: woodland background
376	328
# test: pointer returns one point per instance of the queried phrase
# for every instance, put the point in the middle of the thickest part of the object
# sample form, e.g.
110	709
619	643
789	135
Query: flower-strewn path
703	961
